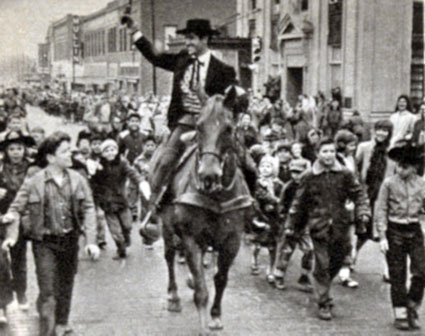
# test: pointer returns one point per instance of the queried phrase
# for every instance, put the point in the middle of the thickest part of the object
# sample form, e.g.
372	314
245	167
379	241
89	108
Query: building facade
110	62
372	50
60	41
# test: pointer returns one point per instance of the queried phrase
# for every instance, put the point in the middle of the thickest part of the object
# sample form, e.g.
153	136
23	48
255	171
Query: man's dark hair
150	138
50	146
325	141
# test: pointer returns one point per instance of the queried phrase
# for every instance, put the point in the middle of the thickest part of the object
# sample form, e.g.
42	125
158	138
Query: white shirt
203	69
403	123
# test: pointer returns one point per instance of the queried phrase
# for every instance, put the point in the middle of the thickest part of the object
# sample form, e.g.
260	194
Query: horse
208	205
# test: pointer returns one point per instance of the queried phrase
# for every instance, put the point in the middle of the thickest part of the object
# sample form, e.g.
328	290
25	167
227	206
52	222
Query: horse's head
216	129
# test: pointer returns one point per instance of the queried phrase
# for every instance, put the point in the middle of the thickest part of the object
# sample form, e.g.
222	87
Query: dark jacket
108	184
11	179
30	200
320	201
219	75
131	145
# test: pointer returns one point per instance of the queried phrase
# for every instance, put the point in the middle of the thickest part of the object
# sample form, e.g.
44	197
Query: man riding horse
197	75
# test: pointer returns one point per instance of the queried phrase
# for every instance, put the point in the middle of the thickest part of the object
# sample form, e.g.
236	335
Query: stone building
372	50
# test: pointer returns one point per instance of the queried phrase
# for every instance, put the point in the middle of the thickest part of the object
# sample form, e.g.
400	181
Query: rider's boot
163	173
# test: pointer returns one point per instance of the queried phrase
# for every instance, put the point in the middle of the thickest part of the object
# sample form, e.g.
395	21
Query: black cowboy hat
405	152
199	27
16	137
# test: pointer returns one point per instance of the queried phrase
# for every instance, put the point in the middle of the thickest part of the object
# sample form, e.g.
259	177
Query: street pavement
113	298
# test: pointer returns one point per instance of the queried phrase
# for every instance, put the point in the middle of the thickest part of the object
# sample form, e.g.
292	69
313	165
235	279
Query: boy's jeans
406	241
329	254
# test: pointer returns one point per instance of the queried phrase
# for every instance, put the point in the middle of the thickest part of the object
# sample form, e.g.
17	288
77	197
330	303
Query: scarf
376	171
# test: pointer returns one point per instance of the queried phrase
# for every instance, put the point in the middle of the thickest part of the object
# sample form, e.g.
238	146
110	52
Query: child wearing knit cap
108	185
291	238
268	193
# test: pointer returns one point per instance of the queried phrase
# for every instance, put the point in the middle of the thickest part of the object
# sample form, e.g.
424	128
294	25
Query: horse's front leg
174	304
194	258
170	248
226	255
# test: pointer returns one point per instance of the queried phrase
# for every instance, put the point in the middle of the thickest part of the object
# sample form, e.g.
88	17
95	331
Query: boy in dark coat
108	185
319	203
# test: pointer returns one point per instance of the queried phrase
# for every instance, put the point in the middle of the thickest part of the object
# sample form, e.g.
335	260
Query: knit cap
108	143
298	165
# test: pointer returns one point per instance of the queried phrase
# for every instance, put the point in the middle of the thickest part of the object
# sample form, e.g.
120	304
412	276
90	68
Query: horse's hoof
174	306
190	284
215	324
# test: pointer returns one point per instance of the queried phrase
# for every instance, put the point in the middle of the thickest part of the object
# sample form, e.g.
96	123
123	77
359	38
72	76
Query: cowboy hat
16	137
199	27
405	152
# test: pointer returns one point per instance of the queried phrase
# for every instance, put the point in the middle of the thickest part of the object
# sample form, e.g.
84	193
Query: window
123	39
112	40
253	4
304	5
335	22
103	41
252	28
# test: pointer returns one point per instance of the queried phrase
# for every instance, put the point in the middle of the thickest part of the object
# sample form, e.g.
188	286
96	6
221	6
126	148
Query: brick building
109	61
101	56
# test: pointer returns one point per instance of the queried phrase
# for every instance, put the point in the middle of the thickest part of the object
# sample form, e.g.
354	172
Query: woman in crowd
403	120
310	145
374	167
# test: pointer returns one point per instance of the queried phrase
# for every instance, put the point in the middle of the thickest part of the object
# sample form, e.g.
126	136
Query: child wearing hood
268	194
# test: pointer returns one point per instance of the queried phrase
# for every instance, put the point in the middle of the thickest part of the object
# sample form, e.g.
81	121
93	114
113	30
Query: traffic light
256	46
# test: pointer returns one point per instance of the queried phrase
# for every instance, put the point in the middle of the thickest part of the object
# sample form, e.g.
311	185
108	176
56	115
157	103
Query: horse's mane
213	108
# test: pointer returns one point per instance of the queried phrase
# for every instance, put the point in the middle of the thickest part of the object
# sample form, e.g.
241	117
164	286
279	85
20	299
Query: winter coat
29	204
11	179
320	201
108	184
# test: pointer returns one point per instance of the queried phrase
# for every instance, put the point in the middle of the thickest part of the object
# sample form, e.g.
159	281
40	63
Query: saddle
235	196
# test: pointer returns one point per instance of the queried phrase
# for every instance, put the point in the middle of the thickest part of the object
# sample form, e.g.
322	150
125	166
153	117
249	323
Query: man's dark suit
219	75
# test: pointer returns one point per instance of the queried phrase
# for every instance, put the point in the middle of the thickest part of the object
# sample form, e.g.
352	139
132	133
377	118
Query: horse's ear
230	97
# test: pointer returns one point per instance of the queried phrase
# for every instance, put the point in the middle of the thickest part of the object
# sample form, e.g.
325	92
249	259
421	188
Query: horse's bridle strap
201	154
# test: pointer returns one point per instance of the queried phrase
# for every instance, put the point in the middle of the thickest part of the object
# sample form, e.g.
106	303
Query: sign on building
76	44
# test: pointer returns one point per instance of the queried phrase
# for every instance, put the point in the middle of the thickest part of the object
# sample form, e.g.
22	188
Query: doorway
294	84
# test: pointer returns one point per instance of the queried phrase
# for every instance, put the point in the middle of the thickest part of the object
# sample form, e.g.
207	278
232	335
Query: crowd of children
320	186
